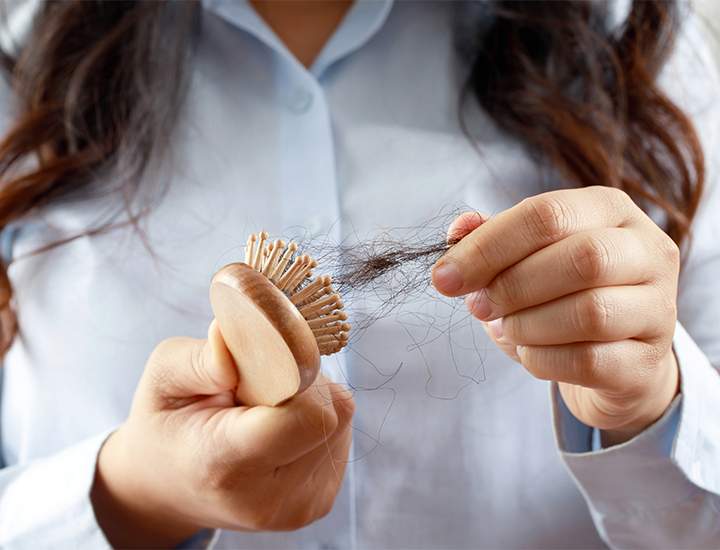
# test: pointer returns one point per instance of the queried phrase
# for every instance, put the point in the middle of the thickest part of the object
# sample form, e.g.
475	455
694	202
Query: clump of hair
390	268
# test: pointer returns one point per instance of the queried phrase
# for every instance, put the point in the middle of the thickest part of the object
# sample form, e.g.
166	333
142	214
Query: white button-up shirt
456	445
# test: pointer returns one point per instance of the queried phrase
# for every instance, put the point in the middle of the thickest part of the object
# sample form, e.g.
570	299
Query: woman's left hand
580	287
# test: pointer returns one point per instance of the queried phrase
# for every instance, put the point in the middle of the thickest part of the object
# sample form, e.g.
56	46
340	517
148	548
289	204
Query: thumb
186	367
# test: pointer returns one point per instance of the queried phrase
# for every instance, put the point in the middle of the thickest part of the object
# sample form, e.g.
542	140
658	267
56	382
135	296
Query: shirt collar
362	21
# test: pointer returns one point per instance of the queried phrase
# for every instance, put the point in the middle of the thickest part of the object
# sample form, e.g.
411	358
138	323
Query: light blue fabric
455	444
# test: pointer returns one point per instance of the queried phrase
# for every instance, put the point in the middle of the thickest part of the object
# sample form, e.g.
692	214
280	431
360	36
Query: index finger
280	435
520	231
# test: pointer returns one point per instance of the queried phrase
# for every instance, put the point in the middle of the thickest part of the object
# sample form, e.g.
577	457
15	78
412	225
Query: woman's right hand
188	458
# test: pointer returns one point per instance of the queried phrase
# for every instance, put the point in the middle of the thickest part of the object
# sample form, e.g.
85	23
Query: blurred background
709	13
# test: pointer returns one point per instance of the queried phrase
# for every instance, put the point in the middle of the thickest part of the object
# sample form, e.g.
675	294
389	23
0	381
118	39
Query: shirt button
301	101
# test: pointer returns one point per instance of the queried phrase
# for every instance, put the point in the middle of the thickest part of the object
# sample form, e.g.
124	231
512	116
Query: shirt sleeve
660	489
46	503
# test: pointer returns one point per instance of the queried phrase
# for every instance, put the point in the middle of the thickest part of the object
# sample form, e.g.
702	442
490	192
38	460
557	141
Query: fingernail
447	279
479	304
495	328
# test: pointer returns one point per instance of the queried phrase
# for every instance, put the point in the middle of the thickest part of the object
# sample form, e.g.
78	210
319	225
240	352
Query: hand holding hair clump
580	287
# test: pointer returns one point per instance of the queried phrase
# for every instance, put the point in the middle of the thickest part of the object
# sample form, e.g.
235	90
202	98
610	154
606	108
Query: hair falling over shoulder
586	98
98	86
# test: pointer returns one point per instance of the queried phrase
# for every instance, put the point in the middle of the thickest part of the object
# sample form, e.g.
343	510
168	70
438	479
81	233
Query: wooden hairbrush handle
274	349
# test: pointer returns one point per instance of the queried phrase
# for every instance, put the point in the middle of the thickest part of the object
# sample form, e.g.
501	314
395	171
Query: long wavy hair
98	85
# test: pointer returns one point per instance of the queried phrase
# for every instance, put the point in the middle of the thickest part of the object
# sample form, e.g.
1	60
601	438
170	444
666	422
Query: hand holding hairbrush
189	458
276	321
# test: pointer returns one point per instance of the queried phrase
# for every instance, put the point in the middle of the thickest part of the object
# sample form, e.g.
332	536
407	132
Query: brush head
275	324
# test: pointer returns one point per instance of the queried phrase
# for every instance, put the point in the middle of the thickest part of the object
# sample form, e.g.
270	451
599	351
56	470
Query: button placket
306	153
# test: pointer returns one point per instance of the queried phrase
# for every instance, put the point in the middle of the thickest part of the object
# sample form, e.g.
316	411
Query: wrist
654	407
129	512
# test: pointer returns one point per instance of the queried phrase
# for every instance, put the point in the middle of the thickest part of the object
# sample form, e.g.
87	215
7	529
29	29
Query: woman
583	281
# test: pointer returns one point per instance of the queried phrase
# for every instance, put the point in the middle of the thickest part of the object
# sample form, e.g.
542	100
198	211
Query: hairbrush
275	321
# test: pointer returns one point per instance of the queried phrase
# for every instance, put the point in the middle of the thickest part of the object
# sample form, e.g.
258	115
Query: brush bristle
316	301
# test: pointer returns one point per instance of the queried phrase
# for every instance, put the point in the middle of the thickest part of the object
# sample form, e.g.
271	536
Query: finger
609	366
598	315
315	489
292	493
602	257
507	347
187	367
504	240
274	436
322	453
463	225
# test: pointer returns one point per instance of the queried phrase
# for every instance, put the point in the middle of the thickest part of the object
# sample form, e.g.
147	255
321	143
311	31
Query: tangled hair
96	91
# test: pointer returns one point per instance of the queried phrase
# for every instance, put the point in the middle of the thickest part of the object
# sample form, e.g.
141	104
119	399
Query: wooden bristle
315	306
275	274
316	301
327	310
289	276
250	250
271	264
320	321
313	287
257	260
327	338
304	273
333	328
324	291
332	347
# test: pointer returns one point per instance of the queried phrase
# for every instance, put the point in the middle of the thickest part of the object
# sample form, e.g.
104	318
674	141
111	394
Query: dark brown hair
98	87
584	96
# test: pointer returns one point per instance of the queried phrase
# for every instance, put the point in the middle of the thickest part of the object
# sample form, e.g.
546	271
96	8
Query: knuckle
618	196
536	364
653	354
669	253
593	313
197	364
531	365
549	217
159	369
515	328
215	478
587	363
304	517
486	253
318	420
664	304
590	259
670	314
617	200
326	506
506	290
263	515
663	329
161	352
345	405
300	511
